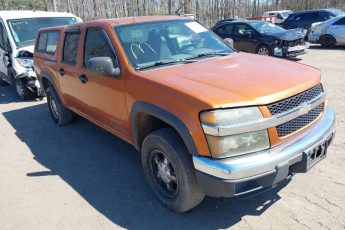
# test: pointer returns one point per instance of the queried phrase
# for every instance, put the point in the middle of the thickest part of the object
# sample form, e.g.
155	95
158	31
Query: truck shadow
107	173
318	47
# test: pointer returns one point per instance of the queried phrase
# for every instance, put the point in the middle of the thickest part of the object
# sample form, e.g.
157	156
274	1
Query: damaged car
329	33
17	36
263	38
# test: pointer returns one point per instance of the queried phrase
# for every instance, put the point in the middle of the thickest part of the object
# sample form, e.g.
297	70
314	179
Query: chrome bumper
266	162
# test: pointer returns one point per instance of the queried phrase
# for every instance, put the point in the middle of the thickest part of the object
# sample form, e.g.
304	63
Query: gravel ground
81	177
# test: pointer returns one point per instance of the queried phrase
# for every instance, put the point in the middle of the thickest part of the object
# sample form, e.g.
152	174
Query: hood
236	80
26	51
290	35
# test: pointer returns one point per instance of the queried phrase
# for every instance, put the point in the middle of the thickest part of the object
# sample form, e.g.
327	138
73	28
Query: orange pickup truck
207	119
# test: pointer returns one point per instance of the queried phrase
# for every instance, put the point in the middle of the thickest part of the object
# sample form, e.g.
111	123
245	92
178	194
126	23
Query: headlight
25	62
238	144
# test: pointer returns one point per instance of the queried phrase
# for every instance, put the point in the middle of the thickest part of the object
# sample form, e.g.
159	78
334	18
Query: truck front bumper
248	173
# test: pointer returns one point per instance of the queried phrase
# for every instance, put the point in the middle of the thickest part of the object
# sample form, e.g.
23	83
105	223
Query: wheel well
262	44
46	83
146	124
327	35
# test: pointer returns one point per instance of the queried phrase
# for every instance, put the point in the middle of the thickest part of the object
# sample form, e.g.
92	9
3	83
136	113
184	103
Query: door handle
83	78
62	71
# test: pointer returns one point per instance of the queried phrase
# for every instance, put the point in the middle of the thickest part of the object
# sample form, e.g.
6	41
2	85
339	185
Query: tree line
206	11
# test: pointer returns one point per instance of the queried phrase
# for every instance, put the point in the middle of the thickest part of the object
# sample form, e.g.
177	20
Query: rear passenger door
68	69
104	96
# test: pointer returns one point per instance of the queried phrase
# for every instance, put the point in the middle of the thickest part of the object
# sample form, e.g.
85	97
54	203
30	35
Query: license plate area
316	154
312	155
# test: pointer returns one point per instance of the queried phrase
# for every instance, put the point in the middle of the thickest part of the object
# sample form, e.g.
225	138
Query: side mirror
229	42
103	66
7	59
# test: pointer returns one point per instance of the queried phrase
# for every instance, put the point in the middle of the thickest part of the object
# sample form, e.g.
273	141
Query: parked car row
326	27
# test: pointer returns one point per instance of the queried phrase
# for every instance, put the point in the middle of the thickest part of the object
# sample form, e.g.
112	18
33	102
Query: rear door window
70	48
47	42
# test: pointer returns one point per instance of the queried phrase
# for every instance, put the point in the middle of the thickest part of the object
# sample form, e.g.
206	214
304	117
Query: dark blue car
304	19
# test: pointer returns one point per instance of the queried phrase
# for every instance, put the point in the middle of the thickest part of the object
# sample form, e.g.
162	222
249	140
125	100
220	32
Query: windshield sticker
196	27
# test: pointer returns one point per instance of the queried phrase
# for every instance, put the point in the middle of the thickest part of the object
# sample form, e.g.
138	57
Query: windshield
168	42
337	12
266	27
24	30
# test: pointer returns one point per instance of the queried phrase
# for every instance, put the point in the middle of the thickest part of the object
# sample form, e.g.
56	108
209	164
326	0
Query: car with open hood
17	37
263	38
328	33
207	119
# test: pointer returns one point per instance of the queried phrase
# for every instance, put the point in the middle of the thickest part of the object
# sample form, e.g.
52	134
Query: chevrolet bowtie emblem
305	109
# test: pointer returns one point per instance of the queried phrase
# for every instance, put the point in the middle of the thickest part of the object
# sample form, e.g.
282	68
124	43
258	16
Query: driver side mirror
103	66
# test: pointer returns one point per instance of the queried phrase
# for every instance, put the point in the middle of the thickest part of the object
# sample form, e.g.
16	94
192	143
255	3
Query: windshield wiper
161	62
213	53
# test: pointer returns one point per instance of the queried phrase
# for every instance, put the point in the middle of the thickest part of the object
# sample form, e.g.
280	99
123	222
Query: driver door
103	96
338	31
4	46
244	38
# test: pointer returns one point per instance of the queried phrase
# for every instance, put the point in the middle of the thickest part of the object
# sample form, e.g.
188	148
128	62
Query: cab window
97	44
47	42
225	30
242	29
70	48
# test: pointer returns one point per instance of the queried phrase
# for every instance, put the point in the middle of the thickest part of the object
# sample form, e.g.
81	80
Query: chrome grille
294	101
299	122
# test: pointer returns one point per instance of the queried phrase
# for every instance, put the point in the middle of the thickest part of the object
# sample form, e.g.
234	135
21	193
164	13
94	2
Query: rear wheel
327	41
169	170
60	114
263	50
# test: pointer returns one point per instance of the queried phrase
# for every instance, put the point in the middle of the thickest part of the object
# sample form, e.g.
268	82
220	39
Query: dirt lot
81	177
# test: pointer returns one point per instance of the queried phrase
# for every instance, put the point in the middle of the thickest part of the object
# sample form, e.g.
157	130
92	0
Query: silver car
328	33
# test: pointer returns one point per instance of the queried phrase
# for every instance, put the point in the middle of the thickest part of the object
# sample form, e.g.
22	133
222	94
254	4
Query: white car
328	33
279	15
17	37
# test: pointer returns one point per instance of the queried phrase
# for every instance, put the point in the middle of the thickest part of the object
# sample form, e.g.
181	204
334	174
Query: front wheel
22	92
169	170
263	50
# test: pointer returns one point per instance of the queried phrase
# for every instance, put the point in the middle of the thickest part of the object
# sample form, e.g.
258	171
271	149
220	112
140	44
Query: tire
264	50
22	92
3	83
328	41
60	114
178	189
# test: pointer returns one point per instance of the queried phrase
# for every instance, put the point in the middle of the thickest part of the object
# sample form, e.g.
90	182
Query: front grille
299	122
294	101
294	43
